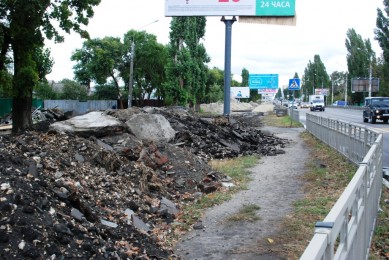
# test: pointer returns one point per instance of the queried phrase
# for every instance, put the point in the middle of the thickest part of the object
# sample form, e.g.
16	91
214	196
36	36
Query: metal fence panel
80	107
350	224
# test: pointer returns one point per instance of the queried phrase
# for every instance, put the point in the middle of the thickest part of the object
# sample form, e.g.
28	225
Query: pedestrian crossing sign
294	84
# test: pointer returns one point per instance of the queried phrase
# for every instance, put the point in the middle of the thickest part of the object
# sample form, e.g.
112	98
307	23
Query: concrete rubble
106	185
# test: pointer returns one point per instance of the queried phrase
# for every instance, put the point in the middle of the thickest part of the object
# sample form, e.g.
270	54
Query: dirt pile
65	196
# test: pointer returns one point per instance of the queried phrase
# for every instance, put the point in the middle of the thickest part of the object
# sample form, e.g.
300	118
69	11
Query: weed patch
283	121
246	213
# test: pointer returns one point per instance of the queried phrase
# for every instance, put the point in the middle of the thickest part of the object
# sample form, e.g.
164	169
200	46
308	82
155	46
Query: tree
44	90
100	60
338	84
107	91
245	77
23	26
44	63
214	85
382	36
187	69
149	64
360	55
73	90
5	84
315	76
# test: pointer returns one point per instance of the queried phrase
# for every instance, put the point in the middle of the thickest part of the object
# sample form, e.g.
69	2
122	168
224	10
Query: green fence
6	105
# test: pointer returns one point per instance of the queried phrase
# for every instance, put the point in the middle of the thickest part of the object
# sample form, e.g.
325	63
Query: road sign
263	81
294	84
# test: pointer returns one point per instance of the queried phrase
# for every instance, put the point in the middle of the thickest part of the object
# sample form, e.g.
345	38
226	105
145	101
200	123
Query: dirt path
274	187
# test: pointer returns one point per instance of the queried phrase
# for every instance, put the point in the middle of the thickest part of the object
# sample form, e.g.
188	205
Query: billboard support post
227	65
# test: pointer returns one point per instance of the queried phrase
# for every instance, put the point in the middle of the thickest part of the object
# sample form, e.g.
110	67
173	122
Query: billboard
263	81
362	84
240	92
230	7
267	91
321	91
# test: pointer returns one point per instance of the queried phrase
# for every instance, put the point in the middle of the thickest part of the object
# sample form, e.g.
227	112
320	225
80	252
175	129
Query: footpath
274	188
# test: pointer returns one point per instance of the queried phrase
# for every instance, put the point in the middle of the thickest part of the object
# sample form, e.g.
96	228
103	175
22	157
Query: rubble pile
111	197
223	137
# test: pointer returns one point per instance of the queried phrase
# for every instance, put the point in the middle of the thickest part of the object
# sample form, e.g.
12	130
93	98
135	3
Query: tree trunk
23	82
21	114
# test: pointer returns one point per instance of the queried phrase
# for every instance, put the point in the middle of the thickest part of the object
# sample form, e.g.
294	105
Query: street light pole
370	69
332	90
345	93
131	79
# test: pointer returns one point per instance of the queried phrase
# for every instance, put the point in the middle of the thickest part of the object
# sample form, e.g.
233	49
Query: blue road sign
294	84
263	81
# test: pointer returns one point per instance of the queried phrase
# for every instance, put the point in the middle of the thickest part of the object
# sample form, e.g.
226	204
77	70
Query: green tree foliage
43	90
245	77
215	93
187	71
107	91
315	76
214	85
254	95
100	60
5	84
44	63
23	26
359	57
73	90
149	64
382	36
338	85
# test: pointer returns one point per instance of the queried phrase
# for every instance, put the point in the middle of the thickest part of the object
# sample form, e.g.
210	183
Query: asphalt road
355	117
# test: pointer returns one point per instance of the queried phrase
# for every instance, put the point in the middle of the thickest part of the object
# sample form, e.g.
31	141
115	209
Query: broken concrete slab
153	127
94	123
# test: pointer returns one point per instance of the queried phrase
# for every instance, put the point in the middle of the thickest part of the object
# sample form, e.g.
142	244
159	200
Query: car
376	108
304	105
292	106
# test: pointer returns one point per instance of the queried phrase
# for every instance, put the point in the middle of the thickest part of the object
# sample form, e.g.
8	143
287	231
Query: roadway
353	116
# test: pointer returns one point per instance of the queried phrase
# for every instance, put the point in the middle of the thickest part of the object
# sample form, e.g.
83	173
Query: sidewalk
274	188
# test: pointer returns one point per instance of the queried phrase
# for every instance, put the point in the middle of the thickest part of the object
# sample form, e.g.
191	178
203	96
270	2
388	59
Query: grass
284	121
246	213
238	170
379	248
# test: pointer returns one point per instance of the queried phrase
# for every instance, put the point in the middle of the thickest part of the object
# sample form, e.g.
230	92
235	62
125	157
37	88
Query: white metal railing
352	140
347	230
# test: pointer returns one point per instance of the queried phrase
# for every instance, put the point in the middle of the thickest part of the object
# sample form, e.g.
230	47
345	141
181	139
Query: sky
261	49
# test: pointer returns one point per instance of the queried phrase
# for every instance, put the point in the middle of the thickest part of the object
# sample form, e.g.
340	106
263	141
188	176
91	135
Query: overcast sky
261	49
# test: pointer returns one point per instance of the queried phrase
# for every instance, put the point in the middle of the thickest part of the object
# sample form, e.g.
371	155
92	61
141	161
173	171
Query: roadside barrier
347	230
